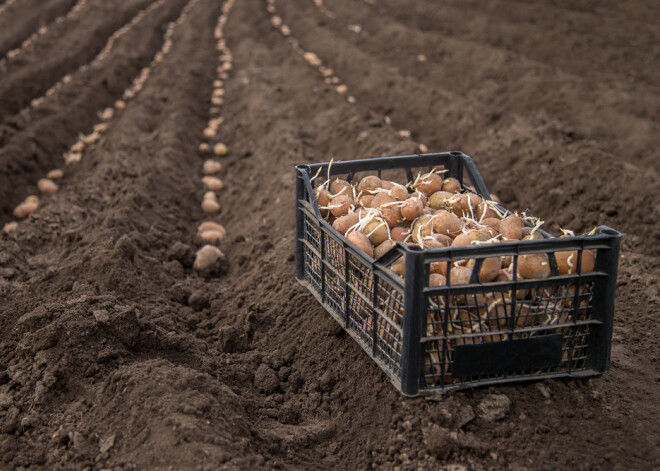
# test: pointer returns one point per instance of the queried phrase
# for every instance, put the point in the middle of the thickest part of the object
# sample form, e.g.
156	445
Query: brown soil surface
115	354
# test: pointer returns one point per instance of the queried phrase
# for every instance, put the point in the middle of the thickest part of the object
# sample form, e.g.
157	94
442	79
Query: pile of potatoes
436	212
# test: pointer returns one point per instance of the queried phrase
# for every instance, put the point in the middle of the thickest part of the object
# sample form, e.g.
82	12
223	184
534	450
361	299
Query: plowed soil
115	354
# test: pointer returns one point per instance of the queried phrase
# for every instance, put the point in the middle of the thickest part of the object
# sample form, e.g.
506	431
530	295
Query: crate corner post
604	294
414	306
300	223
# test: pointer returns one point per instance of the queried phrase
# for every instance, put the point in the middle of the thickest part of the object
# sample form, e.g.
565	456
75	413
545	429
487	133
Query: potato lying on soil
10	227
55	174
210	203
207	257
212	226
211	167
212	183
27	207
220	149
47	186
212	236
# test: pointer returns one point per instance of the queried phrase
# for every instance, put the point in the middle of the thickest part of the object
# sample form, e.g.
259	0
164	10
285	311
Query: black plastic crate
426	338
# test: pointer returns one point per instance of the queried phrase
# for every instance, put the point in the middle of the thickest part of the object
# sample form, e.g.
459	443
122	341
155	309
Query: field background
114	354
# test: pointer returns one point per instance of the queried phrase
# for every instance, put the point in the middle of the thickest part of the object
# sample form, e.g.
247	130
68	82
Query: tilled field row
47	184
69	47
167	151
47	131
14	53
27	18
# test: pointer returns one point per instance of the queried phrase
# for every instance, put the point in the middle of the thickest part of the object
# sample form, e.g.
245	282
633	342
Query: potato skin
48	186
362	242
369	183
206	257
211	226
399	192
533	266
460	276
490	269
485	211
24	209
341	187
381	199
340	205
441	200
391	215
376	231
421	196
422	227
399	234
451	185
210	205
567	262
411	209
493	223
511	227
383	248
467	239
366	201
447	223
436	279
212	236
343	223
429	183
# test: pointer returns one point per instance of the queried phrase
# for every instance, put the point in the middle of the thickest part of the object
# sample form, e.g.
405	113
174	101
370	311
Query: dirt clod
494	407
265	379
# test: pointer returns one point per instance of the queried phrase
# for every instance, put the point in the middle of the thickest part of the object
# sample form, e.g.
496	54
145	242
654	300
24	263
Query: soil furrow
32	15
78	43
470	70
163	122
4	6
39	146
41	31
